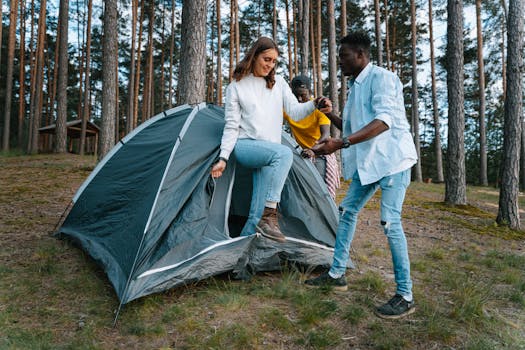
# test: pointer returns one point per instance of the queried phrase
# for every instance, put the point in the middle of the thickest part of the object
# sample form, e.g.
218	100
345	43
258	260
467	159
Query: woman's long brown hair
245	67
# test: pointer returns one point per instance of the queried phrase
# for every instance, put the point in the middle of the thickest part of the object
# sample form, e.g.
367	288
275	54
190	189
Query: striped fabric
332	176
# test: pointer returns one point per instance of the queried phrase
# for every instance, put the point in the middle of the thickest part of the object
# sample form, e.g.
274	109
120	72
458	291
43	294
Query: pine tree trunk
39	77
481	78
232	39
22	77
303	35
295	45
172	50
109	78
508	211
455	181
274	26
138	69
132	54
387	37
342	96
218	101
9	77
332	64
148	78
210	79
379	44
192	74
319	69
435	110
161	92
87	94
237	34
289	40
81	55
503	58
32	75
61	127
313	50
415	97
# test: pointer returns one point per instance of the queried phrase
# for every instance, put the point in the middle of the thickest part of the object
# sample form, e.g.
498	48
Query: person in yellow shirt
310	130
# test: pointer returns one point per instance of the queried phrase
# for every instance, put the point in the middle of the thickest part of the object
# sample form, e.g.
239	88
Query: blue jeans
393	190
271	163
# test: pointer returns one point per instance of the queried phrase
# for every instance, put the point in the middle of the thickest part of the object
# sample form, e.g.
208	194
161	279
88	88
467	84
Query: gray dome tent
151	215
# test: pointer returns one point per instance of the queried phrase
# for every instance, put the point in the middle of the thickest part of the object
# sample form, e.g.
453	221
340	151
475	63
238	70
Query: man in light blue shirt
377	152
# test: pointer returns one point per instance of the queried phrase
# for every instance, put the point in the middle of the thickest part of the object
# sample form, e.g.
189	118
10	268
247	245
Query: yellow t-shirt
307	131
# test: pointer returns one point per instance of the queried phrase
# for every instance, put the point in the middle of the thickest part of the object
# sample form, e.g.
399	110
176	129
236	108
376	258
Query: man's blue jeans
271	163
393	189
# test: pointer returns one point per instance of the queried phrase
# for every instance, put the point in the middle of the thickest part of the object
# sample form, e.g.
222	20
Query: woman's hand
323	104
218	168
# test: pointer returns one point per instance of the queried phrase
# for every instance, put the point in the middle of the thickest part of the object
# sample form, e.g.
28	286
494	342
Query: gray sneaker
325	280
396	307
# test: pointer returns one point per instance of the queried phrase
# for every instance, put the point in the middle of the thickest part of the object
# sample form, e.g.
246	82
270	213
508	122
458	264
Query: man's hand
323	104
307	153
327	146
218	168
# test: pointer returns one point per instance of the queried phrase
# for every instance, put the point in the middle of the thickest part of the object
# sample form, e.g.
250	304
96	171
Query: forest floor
468	274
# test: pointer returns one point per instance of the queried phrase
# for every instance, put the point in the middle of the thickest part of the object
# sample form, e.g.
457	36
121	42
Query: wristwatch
346	142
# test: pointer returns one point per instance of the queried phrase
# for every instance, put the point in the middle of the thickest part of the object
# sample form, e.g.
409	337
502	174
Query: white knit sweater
255	112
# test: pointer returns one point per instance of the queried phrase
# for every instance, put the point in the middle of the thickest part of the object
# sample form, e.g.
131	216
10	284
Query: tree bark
387	37
172	50
332	64
377	12
9	77
435	109
295	49
138	69
318	38
415	98
455	182
218	101
22	77
87	93
508	211
503	58
274	24
303	35
192	74
109	78
313	50
61	127
342	96
483	180
131	82
38	80
289	39
232	38
162	54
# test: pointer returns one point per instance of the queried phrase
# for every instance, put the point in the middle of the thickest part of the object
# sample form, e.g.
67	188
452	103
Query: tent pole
117	314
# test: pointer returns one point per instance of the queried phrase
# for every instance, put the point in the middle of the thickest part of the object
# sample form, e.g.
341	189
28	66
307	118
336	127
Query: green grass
469	283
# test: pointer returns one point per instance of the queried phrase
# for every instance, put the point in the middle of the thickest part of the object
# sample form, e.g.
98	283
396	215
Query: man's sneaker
396	307
325	280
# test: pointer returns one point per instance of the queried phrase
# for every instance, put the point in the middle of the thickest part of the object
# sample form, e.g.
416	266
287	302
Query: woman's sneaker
396	307
325	280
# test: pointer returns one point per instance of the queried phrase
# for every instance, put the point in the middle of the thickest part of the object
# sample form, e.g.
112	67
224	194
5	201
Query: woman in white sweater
255	101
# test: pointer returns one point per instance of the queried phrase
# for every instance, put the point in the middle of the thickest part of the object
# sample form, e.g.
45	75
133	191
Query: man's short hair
358	40
300	81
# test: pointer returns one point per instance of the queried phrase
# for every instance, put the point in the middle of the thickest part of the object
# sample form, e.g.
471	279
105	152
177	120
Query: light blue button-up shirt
377	93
